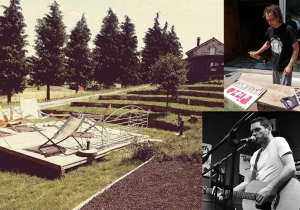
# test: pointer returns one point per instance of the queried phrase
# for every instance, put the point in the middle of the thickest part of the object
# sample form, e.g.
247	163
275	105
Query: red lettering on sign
245	100
230	90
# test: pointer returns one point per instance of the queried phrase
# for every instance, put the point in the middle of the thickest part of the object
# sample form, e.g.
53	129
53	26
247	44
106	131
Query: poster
205	166
244	93
244	164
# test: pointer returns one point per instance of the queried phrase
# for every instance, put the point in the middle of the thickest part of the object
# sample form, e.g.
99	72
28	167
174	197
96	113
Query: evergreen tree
129	59
107	52
12	50
168	73
153	48
33	67
170	42
175	45
49	46
79	62
158	42
165	42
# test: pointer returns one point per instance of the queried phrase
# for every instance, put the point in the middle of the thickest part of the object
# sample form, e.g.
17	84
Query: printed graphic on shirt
276	45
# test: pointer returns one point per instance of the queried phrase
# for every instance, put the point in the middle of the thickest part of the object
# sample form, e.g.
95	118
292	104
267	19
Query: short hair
263	121
275	9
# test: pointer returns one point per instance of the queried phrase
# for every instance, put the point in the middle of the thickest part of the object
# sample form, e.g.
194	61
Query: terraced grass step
180	92
195	102
153	108
210	88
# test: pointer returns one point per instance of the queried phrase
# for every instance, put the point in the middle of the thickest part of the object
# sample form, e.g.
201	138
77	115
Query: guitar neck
238	194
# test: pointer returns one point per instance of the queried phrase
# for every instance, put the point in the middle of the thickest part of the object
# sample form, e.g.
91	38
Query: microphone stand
233	141
221	161
218	173
234	128
215	167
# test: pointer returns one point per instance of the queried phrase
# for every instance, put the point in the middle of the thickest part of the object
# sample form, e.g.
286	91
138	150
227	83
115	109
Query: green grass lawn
24	191
180	96
172	104
228	106
55	94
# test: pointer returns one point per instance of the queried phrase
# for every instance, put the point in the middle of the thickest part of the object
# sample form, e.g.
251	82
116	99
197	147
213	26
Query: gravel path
156	185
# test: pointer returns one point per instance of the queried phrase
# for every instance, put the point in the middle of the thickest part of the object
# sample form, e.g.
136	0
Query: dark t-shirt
281	40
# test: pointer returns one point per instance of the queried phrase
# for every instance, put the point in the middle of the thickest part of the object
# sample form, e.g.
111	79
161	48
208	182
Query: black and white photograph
260	152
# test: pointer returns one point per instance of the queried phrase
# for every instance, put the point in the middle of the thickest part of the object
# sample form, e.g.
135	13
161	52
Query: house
205	60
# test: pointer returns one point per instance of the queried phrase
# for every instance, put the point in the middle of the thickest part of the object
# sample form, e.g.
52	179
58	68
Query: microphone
249	139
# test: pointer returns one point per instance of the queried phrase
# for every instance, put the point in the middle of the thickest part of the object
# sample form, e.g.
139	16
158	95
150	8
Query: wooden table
270	101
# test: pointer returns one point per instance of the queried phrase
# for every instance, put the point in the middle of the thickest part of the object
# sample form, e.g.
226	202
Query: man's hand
254	54
287	71
264	194
221	197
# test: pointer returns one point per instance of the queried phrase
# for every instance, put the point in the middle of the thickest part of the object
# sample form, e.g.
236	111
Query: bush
143	151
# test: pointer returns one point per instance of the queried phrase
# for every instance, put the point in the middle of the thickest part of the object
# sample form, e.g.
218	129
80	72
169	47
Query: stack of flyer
244	93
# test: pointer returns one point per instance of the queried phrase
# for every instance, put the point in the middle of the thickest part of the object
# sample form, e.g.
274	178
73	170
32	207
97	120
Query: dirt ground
156	185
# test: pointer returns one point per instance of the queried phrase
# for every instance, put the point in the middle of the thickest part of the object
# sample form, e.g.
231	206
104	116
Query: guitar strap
255	164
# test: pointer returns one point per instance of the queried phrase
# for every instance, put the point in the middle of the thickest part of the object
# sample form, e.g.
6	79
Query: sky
191	18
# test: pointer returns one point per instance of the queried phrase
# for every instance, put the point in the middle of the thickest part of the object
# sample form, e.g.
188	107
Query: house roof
203	44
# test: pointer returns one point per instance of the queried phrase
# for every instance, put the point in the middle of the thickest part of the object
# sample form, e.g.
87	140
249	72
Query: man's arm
288	69
263	48
286	173
242	186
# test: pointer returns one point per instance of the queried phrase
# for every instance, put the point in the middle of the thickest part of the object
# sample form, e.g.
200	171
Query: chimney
198	41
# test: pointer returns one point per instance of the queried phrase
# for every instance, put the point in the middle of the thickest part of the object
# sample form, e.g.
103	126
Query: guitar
288	197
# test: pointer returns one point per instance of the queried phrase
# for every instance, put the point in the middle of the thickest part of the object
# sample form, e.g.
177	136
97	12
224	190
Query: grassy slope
23	191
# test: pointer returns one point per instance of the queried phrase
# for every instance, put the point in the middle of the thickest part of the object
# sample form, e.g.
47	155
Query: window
290	9
214	64
212	51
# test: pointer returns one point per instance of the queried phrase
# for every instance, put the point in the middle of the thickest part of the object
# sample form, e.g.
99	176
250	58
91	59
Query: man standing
284	46
273	162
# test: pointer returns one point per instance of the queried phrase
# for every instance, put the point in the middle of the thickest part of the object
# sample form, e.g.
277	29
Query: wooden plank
24	140
273	95
30	158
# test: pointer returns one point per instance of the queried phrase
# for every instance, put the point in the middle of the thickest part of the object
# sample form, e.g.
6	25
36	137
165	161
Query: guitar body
289	195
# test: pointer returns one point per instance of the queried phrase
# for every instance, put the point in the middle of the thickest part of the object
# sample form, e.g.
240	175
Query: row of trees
61	58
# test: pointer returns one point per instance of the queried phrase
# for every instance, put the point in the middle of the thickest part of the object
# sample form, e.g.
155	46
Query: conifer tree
158	42
13	67
129	59
175	45
107	52
49	46
152	50
79	62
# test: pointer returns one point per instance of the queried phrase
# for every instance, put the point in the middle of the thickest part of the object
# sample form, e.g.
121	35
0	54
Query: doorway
250	29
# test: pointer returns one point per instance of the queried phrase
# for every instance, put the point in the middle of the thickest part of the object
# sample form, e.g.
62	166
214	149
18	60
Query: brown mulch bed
156	185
